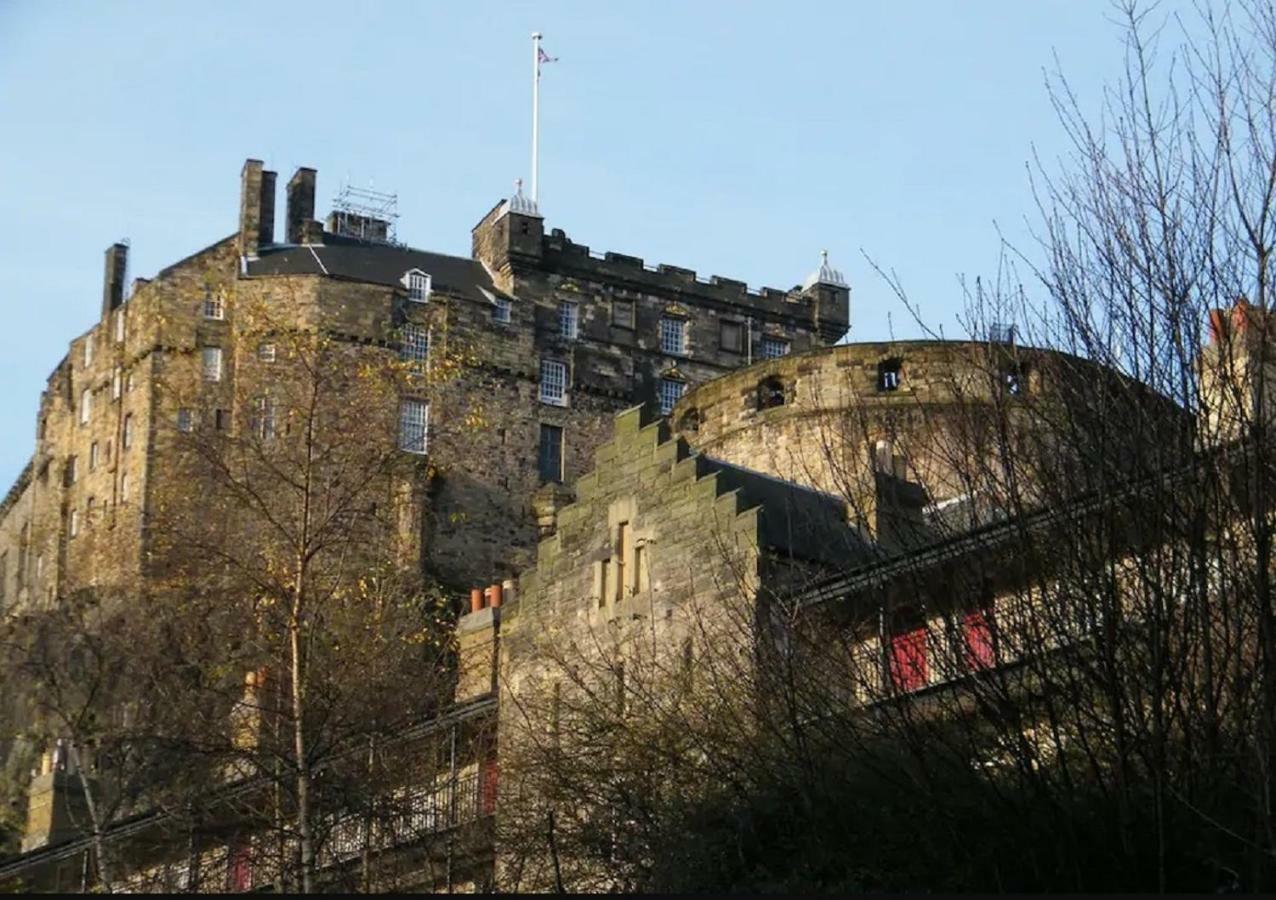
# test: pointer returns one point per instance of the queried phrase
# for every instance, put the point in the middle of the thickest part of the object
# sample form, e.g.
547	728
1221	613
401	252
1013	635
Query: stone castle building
641	450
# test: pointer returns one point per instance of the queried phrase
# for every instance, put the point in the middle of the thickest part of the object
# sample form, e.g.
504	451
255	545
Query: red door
977	632
908	660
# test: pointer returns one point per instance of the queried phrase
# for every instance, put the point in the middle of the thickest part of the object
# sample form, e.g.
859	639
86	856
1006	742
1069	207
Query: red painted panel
977	632
908	660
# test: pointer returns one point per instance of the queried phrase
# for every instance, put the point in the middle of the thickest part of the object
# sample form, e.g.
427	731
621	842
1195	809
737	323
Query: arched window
770	393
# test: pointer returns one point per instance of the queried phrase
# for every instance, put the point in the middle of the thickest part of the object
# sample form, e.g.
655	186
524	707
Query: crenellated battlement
558	247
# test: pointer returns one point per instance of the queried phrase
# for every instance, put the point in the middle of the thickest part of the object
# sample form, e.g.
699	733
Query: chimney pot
476	599
495	590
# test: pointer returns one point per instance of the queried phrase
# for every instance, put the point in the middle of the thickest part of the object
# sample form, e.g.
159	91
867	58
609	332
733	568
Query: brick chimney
301	205
256	208
113	277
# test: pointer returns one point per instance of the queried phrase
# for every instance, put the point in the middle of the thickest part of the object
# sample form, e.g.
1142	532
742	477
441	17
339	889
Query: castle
640	447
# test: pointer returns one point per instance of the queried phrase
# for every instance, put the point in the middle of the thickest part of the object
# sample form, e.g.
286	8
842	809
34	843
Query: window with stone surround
117	379
124	485
212	363
73	525
119	326
214	304
550	457
774	347
415	347
88	350
185	421
673	335
501	309
86	405
568	319
126	437
263	420
553	383
92	456
266	352
414	425
669	392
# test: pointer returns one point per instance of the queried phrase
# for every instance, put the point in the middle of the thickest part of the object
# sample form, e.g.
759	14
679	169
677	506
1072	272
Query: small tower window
1014	379
770	393
889	374
690	422
266	352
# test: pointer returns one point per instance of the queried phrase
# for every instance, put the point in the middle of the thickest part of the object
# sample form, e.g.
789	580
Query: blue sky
732	138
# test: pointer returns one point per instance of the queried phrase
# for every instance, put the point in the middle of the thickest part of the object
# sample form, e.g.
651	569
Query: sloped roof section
374	263
796	520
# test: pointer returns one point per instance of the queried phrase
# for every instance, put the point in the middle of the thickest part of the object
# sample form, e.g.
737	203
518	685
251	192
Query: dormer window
501	311
418	284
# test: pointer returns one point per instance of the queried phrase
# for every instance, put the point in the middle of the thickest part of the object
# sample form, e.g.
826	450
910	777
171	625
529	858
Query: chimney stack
301	205
256	208
113	277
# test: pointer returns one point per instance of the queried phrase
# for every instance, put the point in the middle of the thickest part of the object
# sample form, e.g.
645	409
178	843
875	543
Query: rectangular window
604	573
86	405
774	348
415	349
184	422
124	487
266	352
74	525
116	383
553	387
670	391
92	456
673	335
212	361
908	660
126	438
221	419
69	474
414	425
214	304
731	337
551	453
418	287
88	351
640	562
119	327
128	383
89	508
889	374
501	311
568	316
264	418
622	313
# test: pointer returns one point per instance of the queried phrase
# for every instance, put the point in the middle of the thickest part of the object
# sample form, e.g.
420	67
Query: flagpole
536	112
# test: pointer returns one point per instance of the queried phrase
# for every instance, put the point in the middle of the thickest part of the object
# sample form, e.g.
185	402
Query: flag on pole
543	57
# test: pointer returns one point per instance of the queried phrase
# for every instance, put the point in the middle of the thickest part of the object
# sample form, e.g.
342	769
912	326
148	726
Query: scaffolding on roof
365	214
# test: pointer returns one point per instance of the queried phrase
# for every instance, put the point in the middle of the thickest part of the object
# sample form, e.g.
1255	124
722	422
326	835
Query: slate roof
355	260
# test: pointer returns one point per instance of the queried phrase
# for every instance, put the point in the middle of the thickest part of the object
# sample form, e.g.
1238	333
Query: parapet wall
824	305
